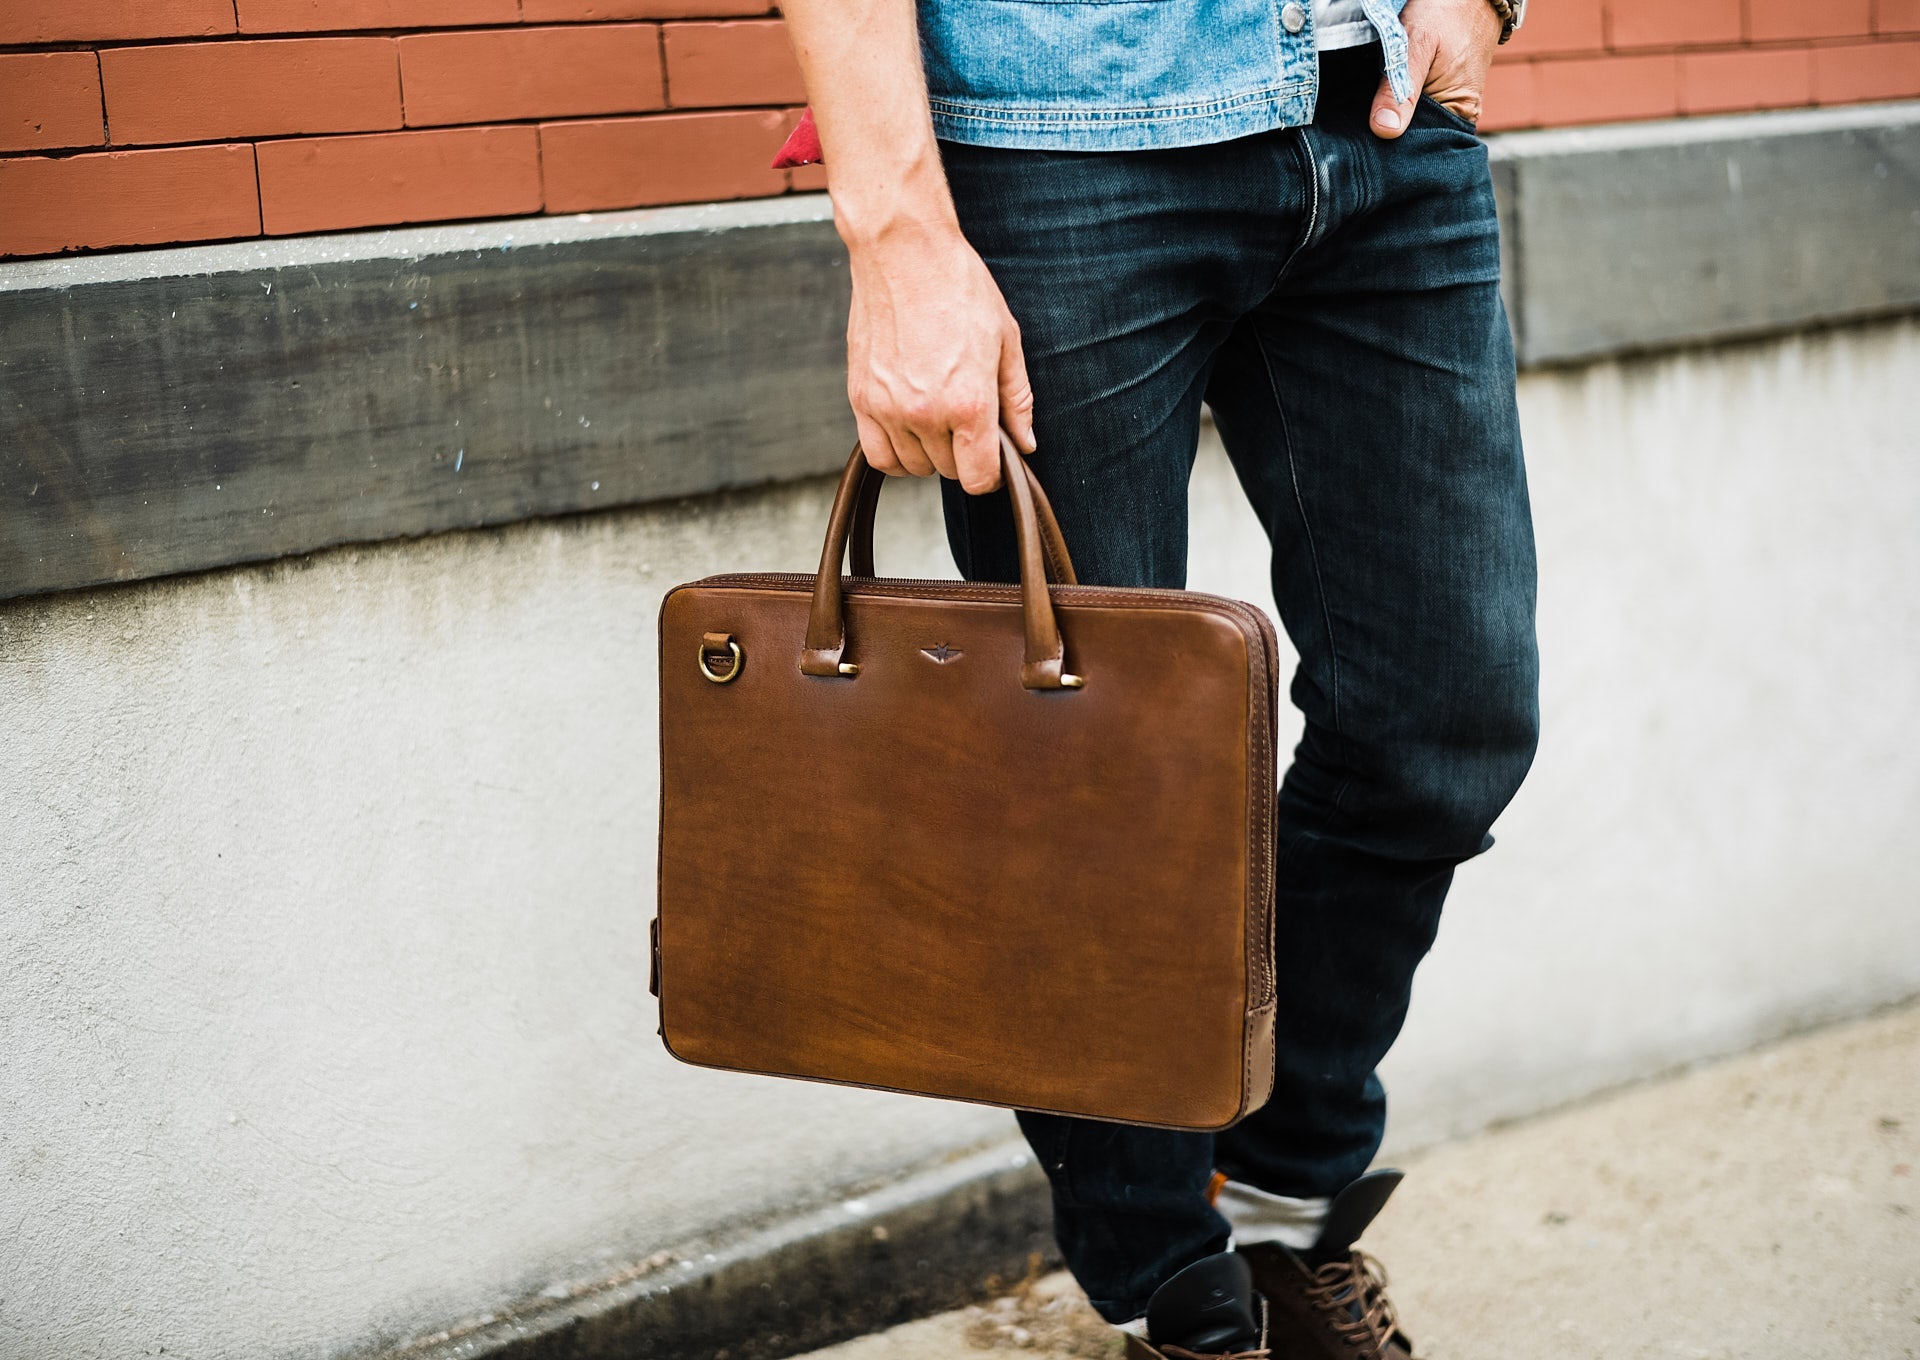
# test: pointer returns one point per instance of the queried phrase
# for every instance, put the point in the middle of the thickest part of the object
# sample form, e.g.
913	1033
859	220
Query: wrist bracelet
1510	14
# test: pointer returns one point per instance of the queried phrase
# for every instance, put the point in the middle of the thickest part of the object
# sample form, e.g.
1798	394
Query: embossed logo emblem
943	653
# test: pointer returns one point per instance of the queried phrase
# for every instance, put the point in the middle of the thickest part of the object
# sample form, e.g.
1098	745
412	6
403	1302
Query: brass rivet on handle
739	660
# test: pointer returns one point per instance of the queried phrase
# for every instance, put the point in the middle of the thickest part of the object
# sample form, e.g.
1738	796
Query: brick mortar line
1689	49
1872	39
666	76
295	35
540	164
1543	62
1755	45
399	81
100	79
68	153
259	193
1514	59
641	115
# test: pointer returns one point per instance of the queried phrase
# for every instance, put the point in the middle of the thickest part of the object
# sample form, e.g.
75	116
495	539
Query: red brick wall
142	122
1600	61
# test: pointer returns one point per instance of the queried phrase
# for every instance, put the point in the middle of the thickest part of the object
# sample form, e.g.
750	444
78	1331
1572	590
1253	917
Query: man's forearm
861	61
934	363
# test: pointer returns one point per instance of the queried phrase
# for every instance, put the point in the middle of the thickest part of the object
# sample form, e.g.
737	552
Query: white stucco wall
323	885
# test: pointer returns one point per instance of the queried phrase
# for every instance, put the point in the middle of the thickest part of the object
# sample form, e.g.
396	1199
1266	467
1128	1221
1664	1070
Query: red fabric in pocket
802	147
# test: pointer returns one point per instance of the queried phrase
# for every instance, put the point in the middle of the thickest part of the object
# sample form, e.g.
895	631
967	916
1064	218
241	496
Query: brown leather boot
1330	1302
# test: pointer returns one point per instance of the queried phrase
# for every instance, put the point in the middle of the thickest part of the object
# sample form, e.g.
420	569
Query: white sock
1257	1216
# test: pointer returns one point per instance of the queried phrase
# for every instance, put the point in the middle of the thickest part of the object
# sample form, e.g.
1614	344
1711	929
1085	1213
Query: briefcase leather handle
860	543
1044	664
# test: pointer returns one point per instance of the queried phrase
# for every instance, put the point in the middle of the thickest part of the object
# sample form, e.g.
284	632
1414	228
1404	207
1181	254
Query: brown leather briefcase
997	843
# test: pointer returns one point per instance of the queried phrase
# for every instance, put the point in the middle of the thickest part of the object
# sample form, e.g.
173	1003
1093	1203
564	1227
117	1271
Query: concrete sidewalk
1763	1208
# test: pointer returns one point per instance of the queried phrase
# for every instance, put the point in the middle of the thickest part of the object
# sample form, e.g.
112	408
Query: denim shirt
1128	75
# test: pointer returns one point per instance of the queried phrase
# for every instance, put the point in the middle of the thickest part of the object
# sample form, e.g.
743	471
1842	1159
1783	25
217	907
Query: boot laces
1353	1293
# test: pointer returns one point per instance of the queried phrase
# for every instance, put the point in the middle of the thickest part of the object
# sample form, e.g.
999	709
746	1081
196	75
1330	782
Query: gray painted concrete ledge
179	410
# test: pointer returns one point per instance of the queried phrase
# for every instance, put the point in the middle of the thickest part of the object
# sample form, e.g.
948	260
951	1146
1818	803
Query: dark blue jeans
1335	300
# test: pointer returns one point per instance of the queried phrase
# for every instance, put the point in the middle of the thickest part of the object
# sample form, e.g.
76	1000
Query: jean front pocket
1445	114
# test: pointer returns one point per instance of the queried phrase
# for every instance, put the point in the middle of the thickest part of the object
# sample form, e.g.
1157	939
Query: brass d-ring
733	674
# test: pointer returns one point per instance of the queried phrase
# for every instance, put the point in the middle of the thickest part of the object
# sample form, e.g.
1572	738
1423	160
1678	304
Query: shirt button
1293	17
